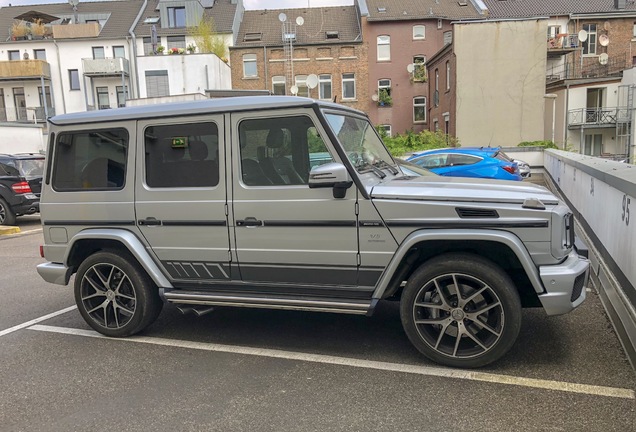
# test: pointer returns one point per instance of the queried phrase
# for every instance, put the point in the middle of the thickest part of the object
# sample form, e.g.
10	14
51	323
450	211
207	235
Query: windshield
360	141
30	167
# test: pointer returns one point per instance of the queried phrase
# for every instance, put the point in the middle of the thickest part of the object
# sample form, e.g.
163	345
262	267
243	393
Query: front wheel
461	310
115	295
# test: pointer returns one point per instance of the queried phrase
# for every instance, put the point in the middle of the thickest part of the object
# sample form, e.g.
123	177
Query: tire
7	216
115	295
470	330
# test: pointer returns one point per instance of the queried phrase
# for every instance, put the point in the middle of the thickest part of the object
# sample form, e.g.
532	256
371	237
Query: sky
249	4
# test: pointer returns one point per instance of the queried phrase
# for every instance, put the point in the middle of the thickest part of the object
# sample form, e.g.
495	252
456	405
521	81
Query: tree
208	40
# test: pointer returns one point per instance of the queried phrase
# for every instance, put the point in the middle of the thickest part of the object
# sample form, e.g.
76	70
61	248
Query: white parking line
367	364
37	320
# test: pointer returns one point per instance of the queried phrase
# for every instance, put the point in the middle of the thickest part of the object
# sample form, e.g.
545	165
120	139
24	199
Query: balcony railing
106	67
25	114
563	42
600	117
574	70
73	31
11	70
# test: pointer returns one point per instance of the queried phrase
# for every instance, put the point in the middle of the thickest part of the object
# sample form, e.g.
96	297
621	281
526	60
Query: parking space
241	369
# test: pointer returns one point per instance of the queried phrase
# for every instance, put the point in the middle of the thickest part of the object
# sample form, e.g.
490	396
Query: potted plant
384	98
19	30
419	73
38	29
191	48
161	49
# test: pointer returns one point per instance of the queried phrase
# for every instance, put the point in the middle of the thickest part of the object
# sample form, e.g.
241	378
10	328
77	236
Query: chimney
620	4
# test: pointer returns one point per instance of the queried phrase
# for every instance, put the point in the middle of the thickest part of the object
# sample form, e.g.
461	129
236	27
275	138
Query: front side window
419	32
384	48
589	46
348	86
419	109
90	160
182	155
249	66
363	146
176	17
99	53
280	150
278	85
324	87
432	161
73	77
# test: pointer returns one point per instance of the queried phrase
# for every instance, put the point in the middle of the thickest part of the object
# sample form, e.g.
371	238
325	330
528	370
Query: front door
181	198
286	234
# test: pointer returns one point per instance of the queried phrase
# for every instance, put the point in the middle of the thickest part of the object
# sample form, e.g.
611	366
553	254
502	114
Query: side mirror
333	175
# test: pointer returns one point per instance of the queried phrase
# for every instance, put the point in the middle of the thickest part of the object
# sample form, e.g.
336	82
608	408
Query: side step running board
348	306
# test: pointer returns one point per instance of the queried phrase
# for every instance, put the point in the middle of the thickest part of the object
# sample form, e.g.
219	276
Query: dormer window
332	35
176	17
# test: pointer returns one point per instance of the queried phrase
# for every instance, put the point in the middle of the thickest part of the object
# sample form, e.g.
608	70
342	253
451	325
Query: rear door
181	197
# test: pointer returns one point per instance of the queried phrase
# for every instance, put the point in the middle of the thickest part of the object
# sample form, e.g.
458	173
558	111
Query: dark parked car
20	185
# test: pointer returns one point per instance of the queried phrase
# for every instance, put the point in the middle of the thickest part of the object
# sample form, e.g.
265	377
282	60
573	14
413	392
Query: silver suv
221	203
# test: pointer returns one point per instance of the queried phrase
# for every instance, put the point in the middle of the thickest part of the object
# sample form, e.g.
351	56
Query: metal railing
575	70
599	116
563	41
25	114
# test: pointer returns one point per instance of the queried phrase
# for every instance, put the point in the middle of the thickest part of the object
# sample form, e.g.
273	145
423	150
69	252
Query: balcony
562	43
590	69
25	114
73	31
106	67
598	117
15	70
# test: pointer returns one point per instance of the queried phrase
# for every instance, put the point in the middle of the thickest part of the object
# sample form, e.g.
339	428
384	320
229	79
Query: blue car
482	162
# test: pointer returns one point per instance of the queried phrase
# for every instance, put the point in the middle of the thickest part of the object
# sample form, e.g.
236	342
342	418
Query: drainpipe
59	67
265	68
133	63
567	117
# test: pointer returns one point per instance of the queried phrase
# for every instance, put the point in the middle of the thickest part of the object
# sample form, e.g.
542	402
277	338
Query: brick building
280	56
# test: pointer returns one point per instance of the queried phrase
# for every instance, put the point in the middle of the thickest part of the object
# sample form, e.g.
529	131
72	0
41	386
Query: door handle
249	222
149	222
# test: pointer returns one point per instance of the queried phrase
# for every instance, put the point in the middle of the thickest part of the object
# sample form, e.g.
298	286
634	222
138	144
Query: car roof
207	106
22	156
477	151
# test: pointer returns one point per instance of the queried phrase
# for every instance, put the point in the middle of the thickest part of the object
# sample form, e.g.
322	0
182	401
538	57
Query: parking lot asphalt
262	370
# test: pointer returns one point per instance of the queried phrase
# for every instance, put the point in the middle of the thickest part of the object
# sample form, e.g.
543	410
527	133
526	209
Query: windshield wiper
384	164
366	165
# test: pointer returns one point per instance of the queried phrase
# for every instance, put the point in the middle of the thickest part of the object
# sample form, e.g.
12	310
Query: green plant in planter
419	73
161	49
191	48
384	98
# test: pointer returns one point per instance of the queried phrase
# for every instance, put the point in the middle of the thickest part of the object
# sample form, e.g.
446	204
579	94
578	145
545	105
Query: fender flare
506	238
131	242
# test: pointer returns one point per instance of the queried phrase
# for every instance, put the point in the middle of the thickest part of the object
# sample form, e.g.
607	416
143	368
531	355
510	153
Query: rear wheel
7	217
461	310
114	295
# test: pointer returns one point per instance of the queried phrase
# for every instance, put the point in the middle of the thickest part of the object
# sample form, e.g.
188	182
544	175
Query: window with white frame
278	85
301	84
419	68
634	31
348	86
384	48
553	31
324	87
384	84
385	129
249	66
436	95
440	24
419	109
589	46
419	32
448	75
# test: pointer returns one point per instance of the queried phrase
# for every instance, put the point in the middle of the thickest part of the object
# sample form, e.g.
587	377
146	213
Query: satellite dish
606	25
603	58
603	40
312	81
410	68
374	97
582	35
300	21
282	17
73	3
294	90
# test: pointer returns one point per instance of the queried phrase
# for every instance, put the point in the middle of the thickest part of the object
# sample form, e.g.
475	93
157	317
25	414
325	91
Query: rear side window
8	168
462	159
182	155
94	160
502	156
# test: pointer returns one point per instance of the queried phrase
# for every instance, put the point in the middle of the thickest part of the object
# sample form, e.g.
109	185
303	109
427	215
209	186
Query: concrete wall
501	82
602	194
21	138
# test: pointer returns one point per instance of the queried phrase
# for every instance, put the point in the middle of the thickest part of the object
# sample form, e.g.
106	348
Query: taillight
510	168
21	188
42	251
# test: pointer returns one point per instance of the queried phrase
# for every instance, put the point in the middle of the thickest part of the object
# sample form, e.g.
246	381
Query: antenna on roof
74	3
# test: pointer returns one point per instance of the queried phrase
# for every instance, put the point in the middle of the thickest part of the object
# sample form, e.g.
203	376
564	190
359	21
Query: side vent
472	213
